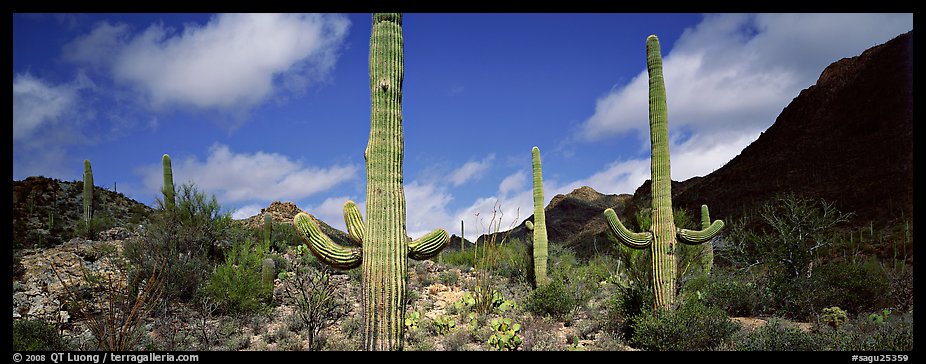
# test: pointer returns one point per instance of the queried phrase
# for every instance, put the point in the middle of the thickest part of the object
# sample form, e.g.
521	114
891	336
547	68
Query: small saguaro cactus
707	257
268	230
168	182
267	271
88	192
382	248
663	234
539	226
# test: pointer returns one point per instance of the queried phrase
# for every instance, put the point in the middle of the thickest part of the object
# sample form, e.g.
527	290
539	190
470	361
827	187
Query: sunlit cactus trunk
663	236
383	247
539	227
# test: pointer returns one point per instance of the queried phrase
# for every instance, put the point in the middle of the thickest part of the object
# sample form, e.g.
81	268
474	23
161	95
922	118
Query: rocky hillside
846	139
575	220
46	211
283	212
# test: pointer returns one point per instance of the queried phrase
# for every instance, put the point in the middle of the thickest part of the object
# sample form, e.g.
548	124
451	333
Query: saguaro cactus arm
429	245
629	238
323	247
354	221
529	225
707	232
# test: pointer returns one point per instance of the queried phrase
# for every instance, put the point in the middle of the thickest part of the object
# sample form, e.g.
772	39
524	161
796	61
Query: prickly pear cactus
381	246
663	235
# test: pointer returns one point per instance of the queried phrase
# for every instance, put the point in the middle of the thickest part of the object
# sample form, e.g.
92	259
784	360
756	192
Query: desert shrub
318	303
692	326
187	237
552	299
737	297
513	260
895	333
457	340
236	284
775	335
36	335
101	221
629	302
853	287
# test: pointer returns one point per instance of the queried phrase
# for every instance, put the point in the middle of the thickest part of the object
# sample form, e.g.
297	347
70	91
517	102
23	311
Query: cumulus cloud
37	103
232	63
737	72
471	171
260	176
246	211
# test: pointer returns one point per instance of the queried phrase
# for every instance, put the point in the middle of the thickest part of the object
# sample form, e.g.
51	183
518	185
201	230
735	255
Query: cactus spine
539	226
168	182
88	192
382	250
663	235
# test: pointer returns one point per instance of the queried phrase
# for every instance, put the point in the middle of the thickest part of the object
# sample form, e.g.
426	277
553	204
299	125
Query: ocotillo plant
88	192
382	248
539	226
168	182
663	235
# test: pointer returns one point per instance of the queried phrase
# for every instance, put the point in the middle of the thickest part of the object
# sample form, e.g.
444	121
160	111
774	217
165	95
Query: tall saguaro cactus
539	226
88	192
382	246
168	182
663	234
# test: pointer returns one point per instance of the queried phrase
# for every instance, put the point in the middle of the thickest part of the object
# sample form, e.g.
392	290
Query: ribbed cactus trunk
88	193
268	230
386	263
661	238
384	249
168	182
540	222
663	227
707	257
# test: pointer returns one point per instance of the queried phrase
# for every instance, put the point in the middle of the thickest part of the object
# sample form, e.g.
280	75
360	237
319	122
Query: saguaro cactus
663	234
708	255
382	246
539	226
168	182
88	192
268	230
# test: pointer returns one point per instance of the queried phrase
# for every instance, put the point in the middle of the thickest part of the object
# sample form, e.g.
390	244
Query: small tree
318	302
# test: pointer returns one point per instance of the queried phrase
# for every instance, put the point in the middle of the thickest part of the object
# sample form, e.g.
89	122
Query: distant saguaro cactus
382	248
168	183
268	230
663	234
539	226
88	192
267	271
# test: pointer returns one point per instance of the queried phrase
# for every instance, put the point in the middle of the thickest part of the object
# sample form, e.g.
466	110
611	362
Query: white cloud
246	211
426	208
259	176
514	182
37	103
232	63
737	72
471	170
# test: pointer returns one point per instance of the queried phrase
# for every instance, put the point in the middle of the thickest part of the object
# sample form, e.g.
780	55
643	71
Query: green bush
629	303
236	284
552	299
36	335
185	240
894	334
775	335
736	297
853	287
692	326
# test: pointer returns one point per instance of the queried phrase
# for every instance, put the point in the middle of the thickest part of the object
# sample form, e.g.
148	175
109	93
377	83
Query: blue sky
261	107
